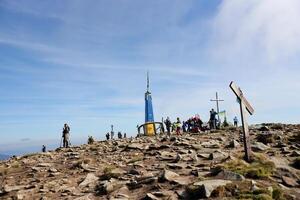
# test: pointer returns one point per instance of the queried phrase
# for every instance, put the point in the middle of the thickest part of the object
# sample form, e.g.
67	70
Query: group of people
111	135
193	125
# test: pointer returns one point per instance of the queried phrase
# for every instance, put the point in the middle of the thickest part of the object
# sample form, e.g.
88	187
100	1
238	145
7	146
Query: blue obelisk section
149	117
148	108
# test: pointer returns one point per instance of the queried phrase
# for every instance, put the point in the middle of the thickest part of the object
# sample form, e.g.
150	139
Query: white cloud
267	30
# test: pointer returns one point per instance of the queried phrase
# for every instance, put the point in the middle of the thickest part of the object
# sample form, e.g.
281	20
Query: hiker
90	140
235	121
178	126
66	136
112	134
107	136
119	135
212	119
199	123
125	136
168	125
184	124
44	148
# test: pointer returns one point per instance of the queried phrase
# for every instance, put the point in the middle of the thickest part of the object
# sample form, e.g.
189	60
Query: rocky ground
192	166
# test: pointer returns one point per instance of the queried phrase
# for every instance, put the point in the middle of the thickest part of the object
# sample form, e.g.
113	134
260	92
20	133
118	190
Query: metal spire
147	81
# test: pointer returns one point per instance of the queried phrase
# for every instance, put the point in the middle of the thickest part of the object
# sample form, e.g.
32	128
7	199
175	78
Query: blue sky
85	62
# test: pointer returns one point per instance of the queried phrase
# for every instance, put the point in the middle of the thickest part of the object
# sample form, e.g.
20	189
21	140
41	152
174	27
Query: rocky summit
207	165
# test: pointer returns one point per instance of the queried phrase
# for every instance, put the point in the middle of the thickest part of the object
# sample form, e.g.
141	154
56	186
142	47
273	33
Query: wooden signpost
244	105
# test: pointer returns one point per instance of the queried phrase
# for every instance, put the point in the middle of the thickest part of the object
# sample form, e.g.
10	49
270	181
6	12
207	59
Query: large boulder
229	175
90	178
290	182
218	155
203	189
173	177
259	147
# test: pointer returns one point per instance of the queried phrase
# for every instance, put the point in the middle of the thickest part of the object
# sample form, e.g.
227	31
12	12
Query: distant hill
4	157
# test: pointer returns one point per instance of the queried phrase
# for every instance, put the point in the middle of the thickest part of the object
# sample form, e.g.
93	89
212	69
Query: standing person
235	121
212	119
112	133
66	135
44	148
107	136
200	124
184	124
178	126
119	135
125	136
168	125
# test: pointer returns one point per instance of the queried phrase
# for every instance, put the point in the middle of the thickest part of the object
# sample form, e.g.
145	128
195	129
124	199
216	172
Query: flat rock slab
90	178
259	147
173	177
208	186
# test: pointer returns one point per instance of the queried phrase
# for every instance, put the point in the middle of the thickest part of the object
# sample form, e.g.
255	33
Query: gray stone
258	147
229	175
44	165
90	178
175	166
295	153
211	144
8	188
85	197
194	156
150	196
234	144
290	182
178	157
137	146
111	185
208	186
218	155
170	176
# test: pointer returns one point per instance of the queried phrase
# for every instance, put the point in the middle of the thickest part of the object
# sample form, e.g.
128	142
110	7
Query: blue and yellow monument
149	126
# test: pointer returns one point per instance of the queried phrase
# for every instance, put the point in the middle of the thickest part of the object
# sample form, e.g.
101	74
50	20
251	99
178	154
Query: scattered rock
150	196
137	146
90	178
259	147
229	175
265	137
8	188
264	128
287	181
218	155
205	188
173	177
234	144
44	165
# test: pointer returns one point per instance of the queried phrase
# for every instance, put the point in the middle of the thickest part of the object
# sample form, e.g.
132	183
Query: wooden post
244	105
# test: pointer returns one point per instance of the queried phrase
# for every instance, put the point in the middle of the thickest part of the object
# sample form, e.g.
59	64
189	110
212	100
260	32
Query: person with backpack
107	136
66	136
120	135
168	125
178	126
235	121
213	119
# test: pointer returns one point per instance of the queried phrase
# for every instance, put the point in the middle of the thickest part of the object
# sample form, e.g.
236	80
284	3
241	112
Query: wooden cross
217	100
244	105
